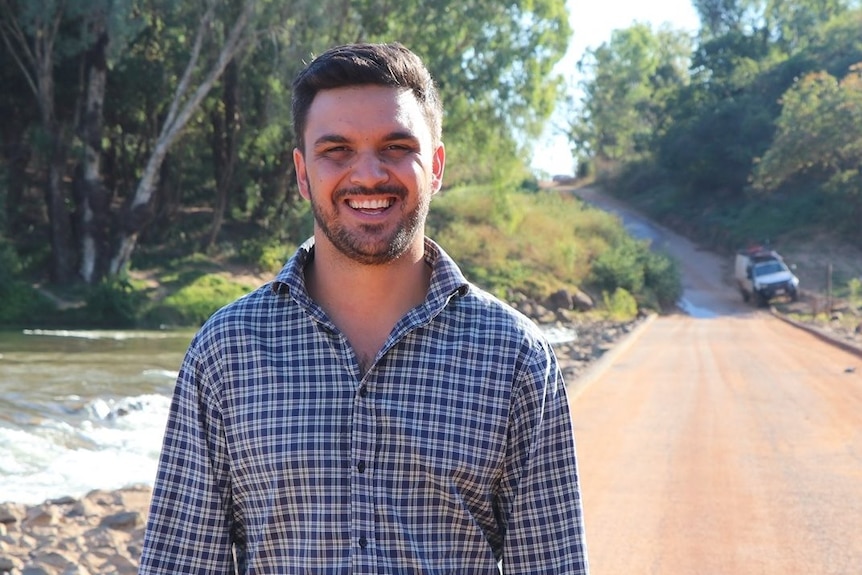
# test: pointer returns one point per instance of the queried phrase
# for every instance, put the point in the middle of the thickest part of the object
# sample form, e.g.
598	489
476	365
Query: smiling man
370	411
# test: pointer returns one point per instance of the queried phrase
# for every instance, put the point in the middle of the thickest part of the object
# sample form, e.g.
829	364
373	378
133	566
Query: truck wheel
794	295
745	295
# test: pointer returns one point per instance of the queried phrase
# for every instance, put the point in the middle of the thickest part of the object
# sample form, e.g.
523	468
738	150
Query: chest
406	429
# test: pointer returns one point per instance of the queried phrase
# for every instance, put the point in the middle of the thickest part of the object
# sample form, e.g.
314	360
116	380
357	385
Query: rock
100	533
125	520
11	513
581	301
559	300
41	516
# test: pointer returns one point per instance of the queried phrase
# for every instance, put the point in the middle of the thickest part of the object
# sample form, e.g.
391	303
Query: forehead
365	111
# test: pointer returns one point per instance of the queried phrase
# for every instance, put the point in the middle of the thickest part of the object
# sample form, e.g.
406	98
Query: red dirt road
723	442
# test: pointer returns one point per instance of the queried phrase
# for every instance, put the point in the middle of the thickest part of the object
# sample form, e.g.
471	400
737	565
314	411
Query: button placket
364	440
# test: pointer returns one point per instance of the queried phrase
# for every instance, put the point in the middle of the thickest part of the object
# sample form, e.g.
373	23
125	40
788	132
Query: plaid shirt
452	453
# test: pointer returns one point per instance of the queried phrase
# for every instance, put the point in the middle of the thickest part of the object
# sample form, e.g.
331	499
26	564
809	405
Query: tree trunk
92	199
16	157
226	126
62	253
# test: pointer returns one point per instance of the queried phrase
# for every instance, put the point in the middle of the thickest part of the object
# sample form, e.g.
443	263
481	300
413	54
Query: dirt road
721	441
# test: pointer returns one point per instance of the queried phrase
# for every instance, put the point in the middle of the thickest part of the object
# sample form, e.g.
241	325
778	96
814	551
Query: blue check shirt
454	452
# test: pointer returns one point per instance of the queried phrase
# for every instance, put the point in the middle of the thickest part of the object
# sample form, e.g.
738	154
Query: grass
532	243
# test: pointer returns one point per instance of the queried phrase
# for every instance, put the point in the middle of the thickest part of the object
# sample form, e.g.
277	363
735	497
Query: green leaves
629	85
820	129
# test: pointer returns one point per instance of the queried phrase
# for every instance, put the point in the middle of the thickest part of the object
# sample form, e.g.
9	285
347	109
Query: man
370	411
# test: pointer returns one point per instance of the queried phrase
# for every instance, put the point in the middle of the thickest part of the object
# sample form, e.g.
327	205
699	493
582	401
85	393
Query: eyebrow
330	139
394	136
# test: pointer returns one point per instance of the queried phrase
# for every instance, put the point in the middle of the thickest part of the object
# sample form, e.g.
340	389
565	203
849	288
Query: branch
236	41
183	85
8	26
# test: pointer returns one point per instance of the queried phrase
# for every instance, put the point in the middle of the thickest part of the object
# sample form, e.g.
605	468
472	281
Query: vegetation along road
722	440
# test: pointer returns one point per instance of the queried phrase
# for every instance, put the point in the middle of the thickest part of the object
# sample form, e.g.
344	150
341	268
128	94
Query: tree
720	17
31	34
106	27
628	85
196	81
794	23
130	78
819	130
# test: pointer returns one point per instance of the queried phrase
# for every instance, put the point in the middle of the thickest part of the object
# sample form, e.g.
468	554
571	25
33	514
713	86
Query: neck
343	286
365	302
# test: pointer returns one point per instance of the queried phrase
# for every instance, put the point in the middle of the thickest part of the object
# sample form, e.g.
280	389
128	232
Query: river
81	410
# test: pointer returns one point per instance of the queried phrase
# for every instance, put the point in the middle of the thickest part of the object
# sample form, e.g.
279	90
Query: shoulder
263	312
468	303
488	310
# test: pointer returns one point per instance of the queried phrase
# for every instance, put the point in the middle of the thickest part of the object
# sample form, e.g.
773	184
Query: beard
372	244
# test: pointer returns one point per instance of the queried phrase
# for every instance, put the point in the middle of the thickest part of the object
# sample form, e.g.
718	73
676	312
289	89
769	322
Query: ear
437	166
301	174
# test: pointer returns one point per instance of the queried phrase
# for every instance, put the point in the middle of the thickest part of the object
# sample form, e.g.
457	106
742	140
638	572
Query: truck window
768	268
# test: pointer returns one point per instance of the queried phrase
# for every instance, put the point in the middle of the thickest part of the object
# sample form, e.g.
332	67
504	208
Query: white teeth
368	204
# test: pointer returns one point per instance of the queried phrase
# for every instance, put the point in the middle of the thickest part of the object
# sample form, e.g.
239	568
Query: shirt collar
447	280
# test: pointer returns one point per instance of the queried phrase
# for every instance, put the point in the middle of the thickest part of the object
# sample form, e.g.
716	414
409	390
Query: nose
368	170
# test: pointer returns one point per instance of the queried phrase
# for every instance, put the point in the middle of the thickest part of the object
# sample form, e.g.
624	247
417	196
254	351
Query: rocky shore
99	533
103	531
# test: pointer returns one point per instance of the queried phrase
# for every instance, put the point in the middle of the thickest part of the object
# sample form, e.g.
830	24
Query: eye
397	150
336	152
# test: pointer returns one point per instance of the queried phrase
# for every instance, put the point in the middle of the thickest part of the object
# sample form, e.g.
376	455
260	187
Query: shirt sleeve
188	528
544	529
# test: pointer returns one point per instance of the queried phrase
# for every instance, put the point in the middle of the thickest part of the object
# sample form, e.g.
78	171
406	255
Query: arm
188	529
541	491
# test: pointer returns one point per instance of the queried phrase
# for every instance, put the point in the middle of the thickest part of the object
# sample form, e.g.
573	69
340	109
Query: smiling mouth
370	204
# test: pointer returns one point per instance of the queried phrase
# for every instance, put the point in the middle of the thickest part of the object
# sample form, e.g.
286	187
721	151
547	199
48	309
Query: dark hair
357	64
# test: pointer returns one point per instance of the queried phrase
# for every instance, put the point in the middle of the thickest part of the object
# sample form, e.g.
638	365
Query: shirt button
361	466
363	391
363	542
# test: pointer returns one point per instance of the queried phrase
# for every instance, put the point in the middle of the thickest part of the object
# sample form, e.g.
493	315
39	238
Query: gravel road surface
720	440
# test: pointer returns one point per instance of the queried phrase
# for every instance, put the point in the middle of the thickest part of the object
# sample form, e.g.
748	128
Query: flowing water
82	410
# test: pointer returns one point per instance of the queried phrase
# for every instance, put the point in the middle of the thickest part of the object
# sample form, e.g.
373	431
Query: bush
622	266
662	281
621	306
268	255
191	305
22	305
10	265
854	289
653	278
533	243
112	303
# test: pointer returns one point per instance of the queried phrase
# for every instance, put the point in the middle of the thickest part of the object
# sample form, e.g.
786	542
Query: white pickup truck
762	275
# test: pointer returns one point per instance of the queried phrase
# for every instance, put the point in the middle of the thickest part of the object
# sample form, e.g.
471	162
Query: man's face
369	168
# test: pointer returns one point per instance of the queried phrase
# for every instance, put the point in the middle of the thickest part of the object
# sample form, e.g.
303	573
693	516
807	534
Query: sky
592	22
